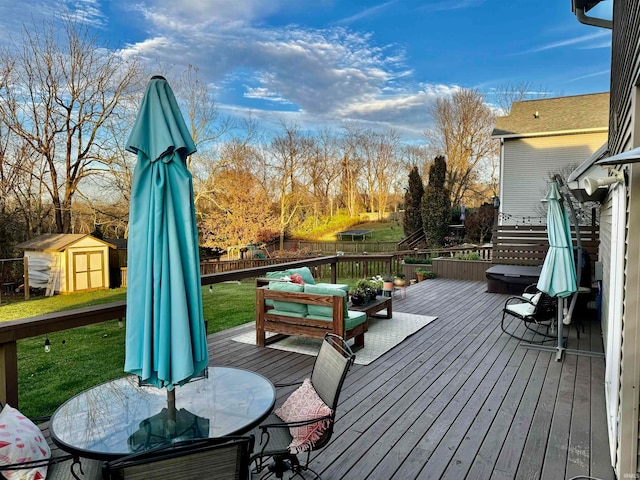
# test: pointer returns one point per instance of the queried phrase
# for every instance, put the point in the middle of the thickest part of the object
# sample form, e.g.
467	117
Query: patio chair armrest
295	424
278	385
36	463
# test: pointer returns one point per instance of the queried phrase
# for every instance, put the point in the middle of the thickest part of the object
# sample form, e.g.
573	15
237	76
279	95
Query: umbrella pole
171	407
561	305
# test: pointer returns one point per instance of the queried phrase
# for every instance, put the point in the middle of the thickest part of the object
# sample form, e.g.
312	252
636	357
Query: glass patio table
120	417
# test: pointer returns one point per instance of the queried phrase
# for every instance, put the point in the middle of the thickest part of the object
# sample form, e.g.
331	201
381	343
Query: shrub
436	204
467	256
412	219
415	260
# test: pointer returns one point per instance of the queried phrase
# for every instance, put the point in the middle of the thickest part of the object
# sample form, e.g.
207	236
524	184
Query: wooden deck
458	399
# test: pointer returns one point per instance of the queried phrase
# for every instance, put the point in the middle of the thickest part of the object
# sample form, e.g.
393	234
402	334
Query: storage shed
67	263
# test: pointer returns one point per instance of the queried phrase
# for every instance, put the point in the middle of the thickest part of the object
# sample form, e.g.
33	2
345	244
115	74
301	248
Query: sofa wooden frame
300	326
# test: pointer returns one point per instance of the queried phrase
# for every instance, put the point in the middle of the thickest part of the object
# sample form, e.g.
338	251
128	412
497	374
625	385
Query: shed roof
561	115
56	242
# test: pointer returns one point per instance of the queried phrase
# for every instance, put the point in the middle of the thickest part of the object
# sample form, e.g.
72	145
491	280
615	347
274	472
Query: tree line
68	104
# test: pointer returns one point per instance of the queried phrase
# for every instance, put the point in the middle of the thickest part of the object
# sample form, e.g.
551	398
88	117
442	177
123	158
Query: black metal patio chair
224	458
535	309
327	377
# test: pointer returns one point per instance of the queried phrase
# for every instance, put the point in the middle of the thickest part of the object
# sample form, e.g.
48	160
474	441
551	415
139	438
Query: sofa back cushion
276	274
322	310
292	307
304	272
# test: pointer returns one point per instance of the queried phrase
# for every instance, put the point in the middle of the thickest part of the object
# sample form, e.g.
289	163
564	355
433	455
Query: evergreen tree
412	220
436	204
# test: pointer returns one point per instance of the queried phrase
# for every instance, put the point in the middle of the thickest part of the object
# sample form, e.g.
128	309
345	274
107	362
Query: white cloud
365	13
445	5
324	75
583	41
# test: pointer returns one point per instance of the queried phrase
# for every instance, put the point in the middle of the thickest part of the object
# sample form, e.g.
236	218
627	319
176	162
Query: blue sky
330	62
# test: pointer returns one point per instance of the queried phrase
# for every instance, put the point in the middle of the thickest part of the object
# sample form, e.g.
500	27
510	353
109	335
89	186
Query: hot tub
511	279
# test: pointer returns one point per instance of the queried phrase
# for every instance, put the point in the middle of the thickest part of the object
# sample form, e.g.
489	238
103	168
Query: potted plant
358	296
377	283
399	279
368	288
387	284
410	265
421	273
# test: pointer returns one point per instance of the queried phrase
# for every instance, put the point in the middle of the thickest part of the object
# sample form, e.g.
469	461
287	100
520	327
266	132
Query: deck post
9	374
334	271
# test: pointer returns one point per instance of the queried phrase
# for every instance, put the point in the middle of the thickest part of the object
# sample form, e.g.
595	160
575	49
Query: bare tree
240	152
387	168
324	171
351	166
57	96
205	122
289	152
506	95
462	133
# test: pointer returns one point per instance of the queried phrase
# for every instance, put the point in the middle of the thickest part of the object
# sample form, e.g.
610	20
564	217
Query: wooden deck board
458	399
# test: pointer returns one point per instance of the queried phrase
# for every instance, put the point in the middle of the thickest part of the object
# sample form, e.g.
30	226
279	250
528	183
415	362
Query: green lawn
383	231
86	356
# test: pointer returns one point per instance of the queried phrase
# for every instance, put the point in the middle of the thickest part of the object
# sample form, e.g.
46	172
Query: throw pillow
304	404
297	278
21	441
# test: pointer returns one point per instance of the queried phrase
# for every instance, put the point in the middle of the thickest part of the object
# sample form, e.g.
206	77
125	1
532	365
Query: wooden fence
332	248
528	245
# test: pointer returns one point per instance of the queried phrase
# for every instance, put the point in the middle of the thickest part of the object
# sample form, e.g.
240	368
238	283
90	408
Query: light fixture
47	344
591	184
496	202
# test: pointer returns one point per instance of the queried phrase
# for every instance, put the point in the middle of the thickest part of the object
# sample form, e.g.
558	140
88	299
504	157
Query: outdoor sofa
308	310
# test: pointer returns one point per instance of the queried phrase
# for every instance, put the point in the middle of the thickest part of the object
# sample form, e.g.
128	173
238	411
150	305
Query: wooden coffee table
373	307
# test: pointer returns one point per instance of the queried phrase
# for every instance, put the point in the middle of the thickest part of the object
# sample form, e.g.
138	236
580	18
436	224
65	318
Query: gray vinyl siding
624	133
604	256
528	166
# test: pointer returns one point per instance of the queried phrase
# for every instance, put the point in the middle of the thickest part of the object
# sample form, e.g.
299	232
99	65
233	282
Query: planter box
409	270
461	269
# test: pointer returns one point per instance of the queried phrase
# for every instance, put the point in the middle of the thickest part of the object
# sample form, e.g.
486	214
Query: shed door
88	270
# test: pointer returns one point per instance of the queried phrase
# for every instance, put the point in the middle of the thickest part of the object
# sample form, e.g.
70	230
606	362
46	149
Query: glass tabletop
120	417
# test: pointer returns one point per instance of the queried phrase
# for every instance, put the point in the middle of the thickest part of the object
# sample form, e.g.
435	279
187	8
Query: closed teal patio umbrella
166	340
558	275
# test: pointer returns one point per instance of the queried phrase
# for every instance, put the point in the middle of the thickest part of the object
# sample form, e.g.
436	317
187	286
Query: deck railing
14	330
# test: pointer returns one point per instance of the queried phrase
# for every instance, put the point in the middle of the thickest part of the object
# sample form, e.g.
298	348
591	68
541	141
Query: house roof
561	115
586	4
118	243
56	242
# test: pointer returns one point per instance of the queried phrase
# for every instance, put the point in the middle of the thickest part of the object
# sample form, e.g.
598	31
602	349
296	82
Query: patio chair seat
279	438
521	310
535	309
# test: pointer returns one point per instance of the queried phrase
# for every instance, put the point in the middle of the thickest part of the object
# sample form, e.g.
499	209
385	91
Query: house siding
537	159
624	133
604	256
